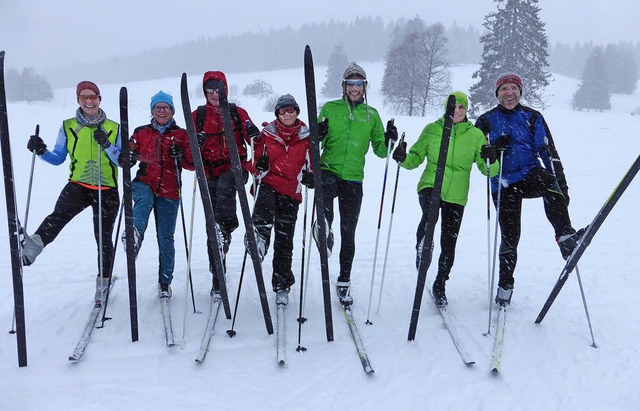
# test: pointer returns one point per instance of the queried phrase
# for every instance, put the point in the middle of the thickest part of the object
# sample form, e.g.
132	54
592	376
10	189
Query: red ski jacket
207	118
157	169
287	149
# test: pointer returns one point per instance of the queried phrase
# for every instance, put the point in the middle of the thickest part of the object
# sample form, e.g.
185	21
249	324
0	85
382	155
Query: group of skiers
506	143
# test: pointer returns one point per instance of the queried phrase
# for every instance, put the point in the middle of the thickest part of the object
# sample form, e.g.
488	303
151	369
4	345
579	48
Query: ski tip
369	371
307	49
73	359
469	363
495	372
281	363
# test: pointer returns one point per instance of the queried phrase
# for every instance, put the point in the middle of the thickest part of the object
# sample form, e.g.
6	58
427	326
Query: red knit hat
509	78
87	85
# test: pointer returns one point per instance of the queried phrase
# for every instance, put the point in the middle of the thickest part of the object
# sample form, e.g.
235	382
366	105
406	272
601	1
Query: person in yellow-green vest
467	146
93	144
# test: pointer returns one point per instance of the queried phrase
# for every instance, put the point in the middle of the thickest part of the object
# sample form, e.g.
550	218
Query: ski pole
193	208
113	259
375	251
586	310
184	227
26	216
489	280
33	163
301	319
584	299
495	241
386	251
232	332
313	215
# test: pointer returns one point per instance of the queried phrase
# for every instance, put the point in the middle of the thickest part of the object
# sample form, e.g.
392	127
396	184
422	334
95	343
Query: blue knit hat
162	97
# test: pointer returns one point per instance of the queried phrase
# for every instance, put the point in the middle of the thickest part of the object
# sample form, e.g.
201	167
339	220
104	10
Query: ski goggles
284	110
93	97
355	82
213	85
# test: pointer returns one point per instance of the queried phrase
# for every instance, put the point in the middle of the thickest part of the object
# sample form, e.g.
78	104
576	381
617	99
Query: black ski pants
222	190
279	212
349	195
539	183
450	227
73	199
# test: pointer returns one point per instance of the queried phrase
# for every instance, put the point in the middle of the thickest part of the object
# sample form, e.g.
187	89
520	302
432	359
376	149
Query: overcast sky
46	34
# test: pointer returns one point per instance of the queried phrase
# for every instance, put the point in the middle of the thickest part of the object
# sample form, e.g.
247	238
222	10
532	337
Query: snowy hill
550	366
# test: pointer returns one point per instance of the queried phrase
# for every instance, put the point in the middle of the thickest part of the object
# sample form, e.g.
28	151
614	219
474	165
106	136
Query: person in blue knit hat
162	150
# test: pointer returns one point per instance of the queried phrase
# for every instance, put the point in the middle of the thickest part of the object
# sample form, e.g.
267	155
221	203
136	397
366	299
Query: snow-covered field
550	366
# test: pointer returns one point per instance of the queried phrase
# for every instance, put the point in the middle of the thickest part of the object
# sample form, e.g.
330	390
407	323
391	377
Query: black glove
133	158
263	163
201	136
391	135
502	142
252	130
484	125
176	153
307	179
400	153
36	145
101	137
323	128
489	152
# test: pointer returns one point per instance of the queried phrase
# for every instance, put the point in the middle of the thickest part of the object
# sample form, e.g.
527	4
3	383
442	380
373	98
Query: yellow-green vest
83	151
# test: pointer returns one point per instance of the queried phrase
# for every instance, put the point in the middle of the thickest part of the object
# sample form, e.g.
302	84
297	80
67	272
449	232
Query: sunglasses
162	108
285	110
93	97
210	91
355	83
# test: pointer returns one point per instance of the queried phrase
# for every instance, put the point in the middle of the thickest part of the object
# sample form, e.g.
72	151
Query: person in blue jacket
523	137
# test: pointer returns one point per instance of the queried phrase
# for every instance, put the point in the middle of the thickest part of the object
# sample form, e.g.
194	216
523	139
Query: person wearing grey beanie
348	127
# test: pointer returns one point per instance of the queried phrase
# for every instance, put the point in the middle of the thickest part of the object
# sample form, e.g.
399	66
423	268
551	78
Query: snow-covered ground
550	366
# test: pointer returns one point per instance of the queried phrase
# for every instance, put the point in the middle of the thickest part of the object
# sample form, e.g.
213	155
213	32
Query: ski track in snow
550	366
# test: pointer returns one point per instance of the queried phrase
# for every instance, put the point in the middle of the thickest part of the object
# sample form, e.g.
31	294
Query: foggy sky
49	34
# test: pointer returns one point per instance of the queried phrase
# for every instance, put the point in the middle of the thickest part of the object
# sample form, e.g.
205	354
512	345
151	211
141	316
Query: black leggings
450	227
73	199
278	212
349	195
539	183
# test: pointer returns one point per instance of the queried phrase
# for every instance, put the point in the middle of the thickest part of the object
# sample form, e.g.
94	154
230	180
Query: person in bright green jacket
347	127
467	146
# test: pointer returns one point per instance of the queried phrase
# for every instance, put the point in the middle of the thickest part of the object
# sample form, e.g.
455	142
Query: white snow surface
550	366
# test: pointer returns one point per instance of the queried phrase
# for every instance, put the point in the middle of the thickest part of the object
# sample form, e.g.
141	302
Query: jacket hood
215	75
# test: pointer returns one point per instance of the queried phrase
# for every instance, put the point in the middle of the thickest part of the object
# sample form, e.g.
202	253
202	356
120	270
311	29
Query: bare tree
416	73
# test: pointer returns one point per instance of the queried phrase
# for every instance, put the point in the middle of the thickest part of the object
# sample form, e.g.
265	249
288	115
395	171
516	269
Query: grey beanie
286	100
354	70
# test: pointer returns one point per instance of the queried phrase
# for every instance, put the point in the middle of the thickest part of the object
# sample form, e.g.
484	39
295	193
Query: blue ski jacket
527	141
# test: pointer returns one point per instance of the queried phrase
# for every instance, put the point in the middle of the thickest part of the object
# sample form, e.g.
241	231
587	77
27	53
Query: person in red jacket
162	148
281	170
216	158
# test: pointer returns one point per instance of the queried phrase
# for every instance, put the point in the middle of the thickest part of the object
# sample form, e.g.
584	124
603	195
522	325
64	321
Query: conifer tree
593	93
516	41
335	68
621	70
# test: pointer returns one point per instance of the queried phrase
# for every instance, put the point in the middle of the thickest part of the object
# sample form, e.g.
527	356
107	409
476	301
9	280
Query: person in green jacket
467	145
347	127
